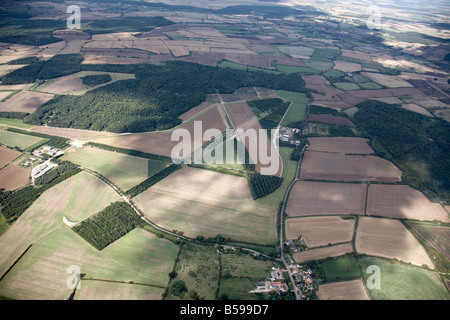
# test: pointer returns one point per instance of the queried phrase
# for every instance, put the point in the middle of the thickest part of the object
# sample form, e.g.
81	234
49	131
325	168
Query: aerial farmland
107	129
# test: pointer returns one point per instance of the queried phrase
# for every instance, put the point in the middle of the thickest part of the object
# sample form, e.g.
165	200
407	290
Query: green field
369	85
295	69
140	257
240	274
242	67
344	268
14	123
346	86
402	282
75	198
22	141
289	169
123	170
198	267
319	65
351	111
297	111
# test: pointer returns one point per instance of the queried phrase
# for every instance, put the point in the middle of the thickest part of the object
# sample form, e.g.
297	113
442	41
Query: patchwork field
242	117
227	208
347	290
401	282
337	167
70	133
320	231
330	119
25	101
65	85
8	155
22	141
102	290
325	198
386	80
322	253
389	238
347	66
123	170
343	145
437	236
403	202
13	177
139	256
160	142
47	212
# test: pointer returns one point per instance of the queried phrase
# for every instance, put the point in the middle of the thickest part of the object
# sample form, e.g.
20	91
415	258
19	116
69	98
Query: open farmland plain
47	212
227	209
160	142
8	155
320	231
337	167
390	238
403	202
322	253
347	290
41	273
343	145
363	182
25	101
310	198
123	170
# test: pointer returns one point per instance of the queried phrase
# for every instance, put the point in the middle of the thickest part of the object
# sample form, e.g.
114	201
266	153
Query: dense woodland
153	101
416	144
262	185
95	79
108	225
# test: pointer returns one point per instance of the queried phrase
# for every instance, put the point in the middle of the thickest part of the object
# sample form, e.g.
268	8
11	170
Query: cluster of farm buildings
287	135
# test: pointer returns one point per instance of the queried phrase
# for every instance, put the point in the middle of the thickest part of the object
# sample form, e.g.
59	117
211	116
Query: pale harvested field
347	290
338	167
320	231
384	93
65	84
418	109
344	145
207	203
390	239
25	101
109	44
387	80
194	111
356	55
4	94
139	256
315	80
403	202
160	142
242	117
101	290
8	155
98	59
347	66
13	87
179	51
322	253
326	198
13	177
71	133
46	213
